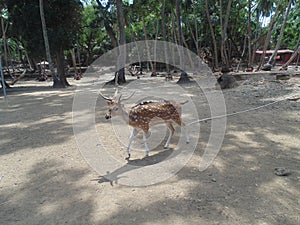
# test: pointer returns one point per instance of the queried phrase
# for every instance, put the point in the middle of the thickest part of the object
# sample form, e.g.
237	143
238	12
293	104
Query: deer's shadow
132	164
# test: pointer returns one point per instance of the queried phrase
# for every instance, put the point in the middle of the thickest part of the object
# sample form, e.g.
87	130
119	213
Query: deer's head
115	104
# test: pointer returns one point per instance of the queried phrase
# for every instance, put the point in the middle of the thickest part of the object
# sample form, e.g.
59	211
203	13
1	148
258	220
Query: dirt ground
45	180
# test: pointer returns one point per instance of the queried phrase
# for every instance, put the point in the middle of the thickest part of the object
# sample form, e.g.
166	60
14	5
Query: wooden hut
282	55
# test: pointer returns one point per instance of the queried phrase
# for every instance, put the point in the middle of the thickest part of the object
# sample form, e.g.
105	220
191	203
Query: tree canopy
219	31
63	19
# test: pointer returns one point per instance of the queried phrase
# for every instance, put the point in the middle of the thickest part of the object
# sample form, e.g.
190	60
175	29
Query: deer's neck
125	114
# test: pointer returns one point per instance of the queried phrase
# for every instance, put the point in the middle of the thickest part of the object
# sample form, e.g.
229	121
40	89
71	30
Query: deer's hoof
166	147
128	157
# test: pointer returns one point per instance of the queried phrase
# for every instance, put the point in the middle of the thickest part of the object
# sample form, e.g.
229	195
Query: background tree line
222	32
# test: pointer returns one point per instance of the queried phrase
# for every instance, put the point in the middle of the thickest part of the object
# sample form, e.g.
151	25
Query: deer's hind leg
171	132
145	133
182	124
186	131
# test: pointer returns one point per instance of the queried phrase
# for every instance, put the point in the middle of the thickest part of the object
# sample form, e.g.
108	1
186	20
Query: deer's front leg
132	135
145	141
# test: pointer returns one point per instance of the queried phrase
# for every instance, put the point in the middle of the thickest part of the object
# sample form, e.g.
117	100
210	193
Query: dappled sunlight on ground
44	179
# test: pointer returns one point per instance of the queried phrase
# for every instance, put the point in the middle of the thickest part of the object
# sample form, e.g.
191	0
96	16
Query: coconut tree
279	40
164	33
224	27
213	37
107	14
183	76
122	42
249	34
268	37
61	35
295	54
3	29
47	47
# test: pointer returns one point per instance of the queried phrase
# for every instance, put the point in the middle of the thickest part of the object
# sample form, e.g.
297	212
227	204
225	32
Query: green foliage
93	39
93	26
63	20
291	31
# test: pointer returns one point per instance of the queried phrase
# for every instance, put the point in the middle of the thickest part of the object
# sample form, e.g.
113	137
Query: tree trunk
256	35
173	35
147	46
72	51
111	34
295	54
224	31
279	40
249	35
163	23
192	63
60	64
108	27
4	41
222	51
268	37
121	22
216	63
183	76
179	33
56	81
196	36
3	82
122	54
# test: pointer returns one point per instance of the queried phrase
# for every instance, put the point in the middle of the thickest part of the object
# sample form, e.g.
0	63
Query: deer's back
144	112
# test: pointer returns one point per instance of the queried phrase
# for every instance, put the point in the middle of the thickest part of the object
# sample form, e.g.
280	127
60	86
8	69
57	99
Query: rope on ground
247	110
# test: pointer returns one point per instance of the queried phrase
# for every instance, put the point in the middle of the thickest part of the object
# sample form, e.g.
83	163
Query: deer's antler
111	98
106	98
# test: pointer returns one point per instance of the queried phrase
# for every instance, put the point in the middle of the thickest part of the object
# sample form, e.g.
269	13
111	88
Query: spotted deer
146	114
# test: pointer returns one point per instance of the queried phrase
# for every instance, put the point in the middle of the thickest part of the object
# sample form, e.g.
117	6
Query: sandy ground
45	180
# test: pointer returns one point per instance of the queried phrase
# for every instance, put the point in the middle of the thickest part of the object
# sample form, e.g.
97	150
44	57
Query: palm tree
152	66
216	63
4	39
164	33
279	40
295	54
249	34
183	76
122	42
56	81
268	37
224	27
